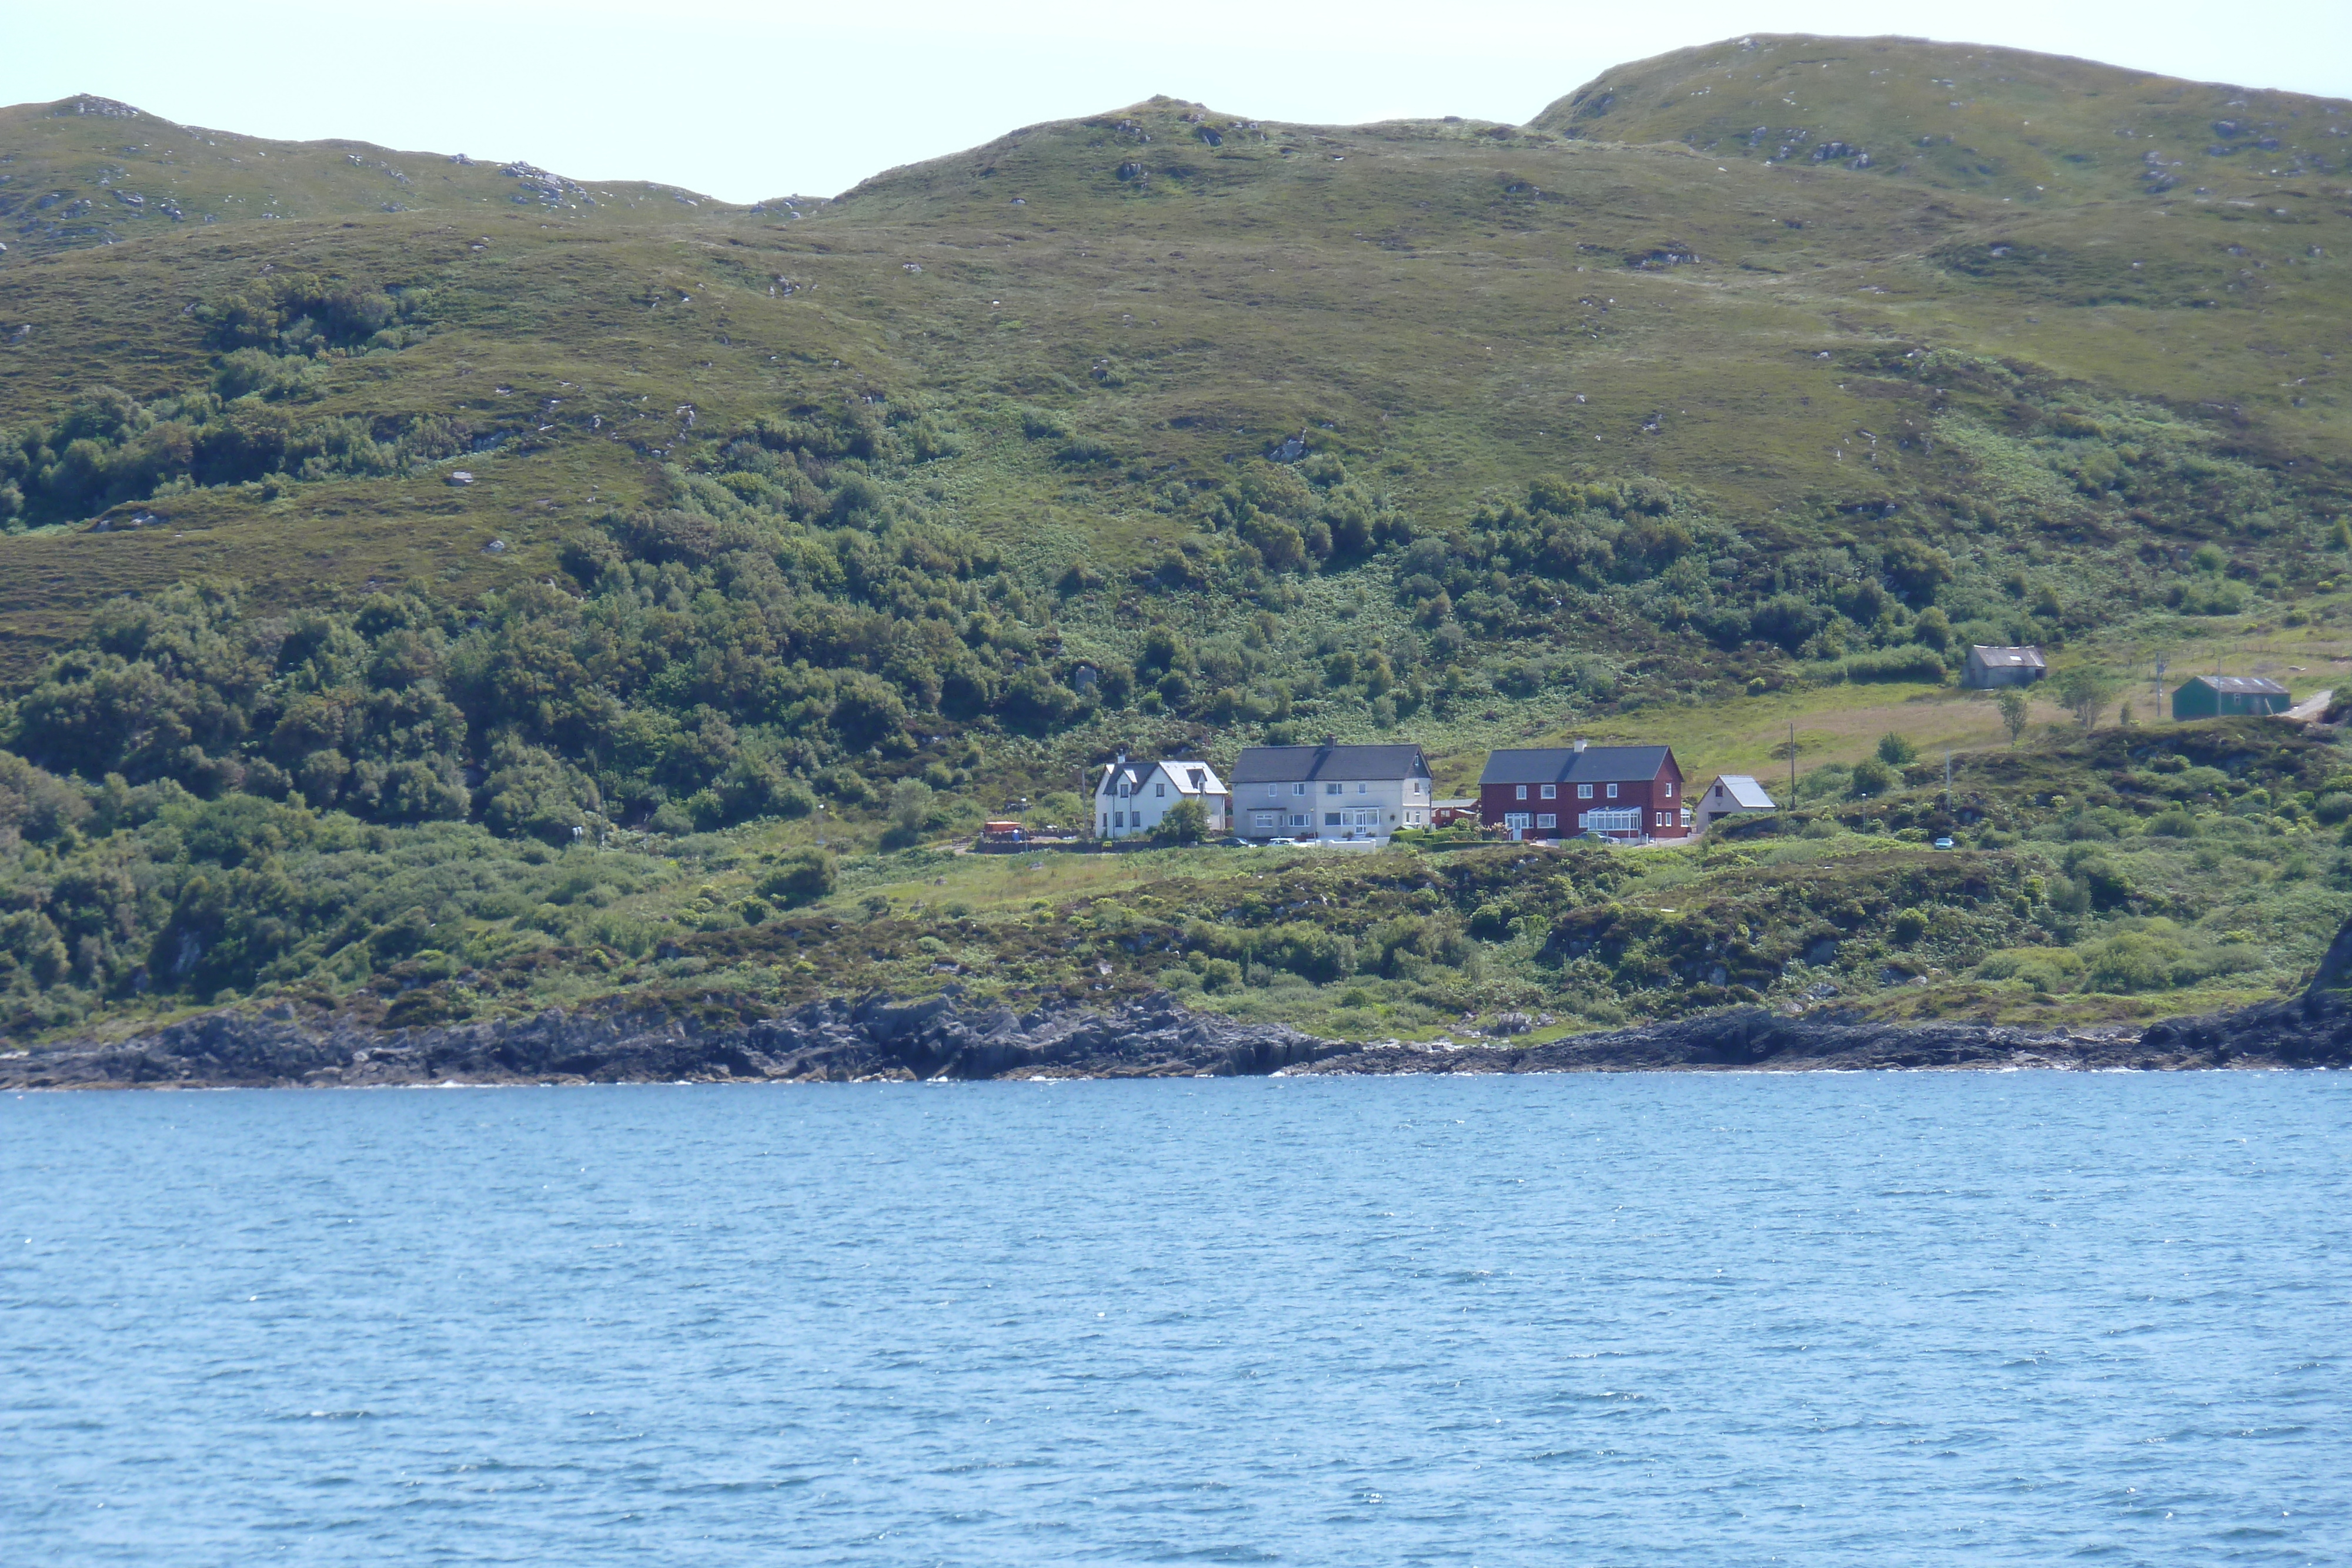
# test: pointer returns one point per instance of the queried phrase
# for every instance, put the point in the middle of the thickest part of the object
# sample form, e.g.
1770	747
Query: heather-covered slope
375	552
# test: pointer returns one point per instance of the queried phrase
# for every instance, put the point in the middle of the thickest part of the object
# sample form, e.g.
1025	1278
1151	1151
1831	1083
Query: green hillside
89	170
2033	130
370	538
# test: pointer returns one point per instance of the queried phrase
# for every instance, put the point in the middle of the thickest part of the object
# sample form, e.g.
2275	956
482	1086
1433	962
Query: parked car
1943	843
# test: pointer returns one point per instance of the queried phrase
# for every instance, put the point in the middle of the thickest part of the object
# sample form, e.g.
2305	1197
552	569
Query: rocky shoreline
878	1039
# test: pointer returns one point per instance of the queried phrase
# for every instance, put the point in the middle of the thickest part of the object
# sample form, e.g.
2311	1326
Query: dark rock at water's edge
828	1041
878	1039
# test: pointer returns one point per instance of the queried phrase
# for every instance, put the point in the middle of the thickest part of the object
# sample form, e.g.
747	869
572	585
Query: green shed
2229	696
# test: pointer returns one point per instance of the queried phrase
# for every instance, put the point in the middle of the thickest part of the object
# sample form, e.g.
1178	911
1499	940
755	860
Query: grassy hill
2032	129
717	531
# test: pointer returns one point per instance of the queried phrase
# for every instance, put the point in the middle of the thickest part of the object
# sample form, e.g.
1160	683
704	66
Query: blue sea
1933	1319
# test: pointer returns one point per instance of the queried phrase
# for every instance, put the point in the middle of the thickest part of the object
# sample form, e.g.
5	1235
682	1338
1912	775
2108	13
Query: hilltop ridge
2023	127
88	170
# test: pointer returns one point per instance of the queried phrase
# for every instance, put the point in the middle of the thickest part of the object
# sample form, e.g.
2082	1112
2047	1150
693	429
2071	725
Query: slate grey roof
1565	765
2241	686
1133	773
2007	658
1138	774
1301	764
1745	792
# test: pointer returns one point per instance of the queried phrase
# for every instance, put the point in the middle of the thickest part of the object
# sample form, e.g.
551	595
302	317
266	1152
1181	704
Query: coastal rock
836	1041
879	1038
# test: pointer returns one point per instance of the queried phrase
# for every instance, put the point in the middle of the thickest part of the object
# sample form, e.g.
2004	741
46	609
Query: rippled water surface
1694	1319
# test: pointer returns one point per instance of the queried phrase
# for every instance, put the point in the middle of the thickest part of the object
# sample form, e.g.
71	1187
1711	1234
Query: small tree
1895	751
1186	823
911	812
1871	777
802	876
2014	713
2086	690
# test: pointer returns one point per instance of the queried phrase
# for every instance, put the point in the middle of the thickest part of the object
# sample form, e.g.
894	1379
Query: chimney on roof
1579	743
1120	761
1331	740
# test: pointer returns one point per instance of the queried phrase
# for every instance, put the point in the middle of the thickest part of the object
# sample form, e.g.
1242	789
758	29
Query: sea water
1936	1319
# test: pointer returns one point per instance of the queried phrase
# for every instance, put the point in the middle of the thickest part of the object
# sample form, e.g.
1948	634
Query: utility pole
1792	811
1948	781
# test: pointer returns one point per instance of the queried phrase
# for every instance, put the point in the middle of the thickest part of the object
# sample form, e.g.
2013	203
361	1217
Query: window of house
1330	819
1517	820
1266	818
1412	818
1298	789
1370	819
1119	818
1301	820
1547	819
1551	791
1670	788
1272	790
1161	789
1363	789
1331	789
1584	791
1122	788
1197	777
1613	791
1522	793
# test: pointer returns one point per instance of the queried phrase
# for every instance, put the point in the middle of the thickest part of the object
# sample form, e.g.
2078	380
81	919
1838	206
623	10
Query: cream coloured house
1133	796
1330	793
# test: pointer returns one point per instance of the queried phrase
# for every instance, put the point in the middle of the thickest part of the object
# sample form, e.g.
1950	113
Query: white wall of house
1134	797
1331	809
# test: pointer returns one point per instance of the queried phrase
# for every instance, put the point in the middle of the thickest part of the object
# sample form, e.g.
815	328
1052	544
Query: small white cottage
1732	795
1134	796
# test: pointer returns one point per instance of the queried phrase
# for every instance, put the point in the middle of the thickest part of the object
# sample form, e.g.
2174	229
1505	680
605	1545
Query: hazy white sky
744	100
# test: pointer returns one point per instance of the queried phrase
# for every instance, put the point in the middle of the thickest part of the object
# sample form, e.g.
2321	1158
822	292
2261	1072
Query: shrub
802	876
1871	777
1912	664
1186	823
1895	751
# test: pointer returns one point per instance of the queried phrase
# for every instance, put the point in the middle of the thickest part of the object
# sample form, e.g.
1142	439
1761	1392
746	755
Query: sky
744	100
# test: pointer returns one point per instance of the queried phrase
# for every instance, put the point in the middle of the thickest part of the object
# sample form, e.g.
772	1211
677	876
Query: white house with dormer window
1133	796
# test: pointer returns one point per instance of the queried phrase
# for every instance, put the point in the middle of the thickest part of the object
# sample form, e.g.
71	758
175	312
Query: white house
1732	795
1330	792
1134	796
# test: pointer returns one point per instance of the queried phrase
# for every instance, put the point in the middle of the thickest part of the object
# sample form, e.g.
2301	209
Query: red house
1626	793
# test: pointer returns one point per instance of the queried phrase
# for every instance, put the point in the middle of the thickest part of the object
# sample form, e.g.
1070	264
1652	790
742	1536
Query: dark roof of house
2241	686
2008	658
1565	764
1298	764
